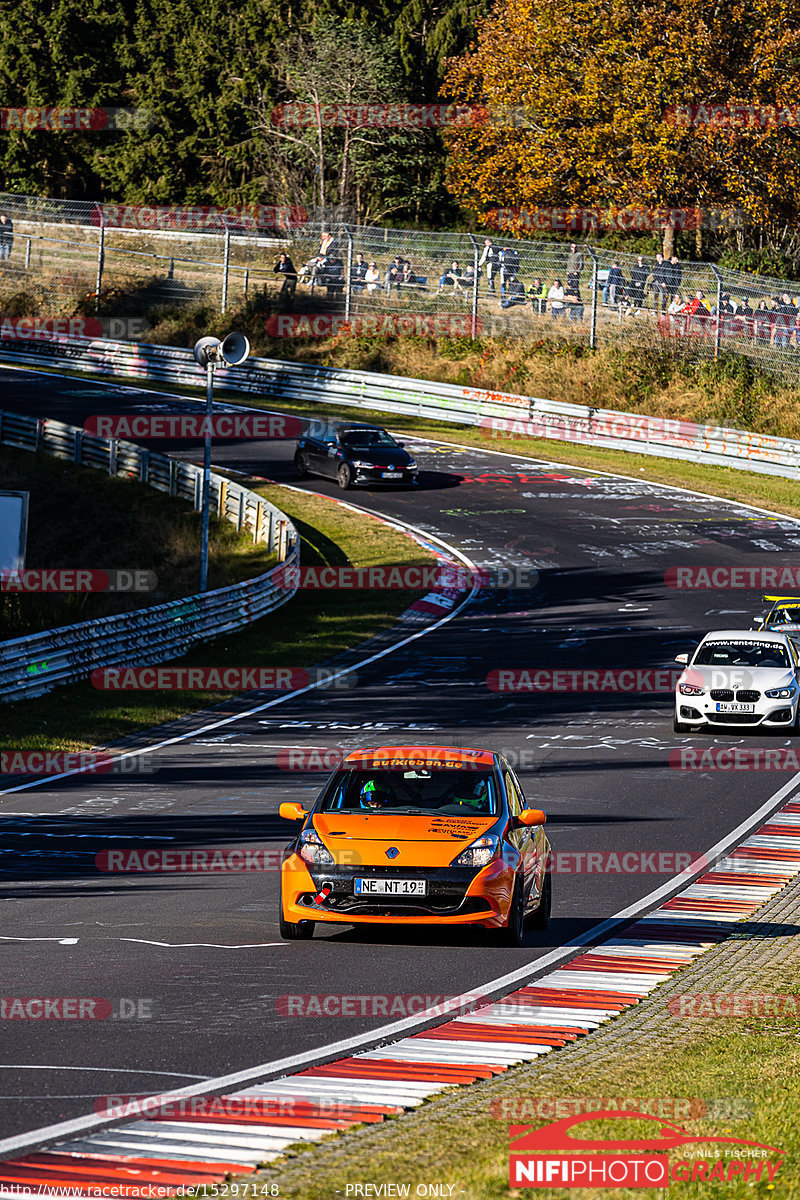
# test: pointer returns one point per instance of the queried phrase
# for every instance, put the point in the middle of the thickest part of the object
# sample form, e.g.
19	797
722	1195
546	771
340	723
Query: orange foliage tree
596	81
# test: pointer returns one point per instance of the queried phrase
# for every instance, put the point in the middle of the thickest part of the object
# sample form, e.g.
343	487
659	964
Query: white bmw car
739	678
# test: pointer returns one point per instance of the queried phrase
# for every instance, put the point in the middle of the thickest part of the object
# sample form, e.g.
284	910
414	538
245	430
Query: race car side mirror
531	816
292	812
682	658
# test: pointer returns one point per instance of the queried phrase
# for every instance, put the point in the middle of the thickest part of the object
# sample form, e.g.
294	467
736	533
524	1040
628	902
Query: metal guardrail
494	411
32	665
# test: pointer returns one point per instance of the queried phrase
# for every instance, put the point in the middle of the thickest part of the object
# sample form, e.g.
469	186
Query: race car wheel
301	464
343	477
291	931
680	726
512	932
541	917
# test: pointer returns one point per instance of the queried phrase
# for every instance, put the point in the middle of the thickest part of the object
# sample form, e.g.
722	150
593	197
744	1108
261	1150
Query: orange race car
418	835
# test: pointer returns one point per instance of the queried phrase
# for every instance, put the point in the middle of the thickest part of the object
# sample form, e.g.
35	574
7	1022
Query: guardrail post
112	456
27	253
205	519
474	322
593	321
718	330
101	255
144	465
246	280
242	511
283	540
77	446
226	266
348	291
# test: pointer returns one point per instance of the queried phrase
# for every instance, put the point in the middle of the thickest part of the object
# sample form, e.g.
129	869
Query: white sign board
13	530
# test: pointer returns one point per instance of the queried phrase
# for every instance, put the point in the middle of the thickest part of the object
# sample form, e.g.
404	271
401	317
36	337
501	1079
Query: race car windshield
361	439
417	791
741	654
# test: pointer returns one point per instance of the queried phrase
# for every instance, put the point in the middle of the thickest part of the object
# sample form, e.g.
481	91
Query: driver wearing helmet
375	795
473	793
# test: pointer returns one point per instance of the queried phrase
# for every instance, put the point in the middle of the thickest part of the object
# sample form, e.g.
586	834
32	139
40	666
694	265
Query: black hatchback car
354	453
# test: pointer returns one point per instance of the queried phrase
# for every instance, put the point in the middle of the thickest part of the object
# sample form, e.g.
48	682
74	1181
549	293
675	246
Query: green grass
113	523
311	628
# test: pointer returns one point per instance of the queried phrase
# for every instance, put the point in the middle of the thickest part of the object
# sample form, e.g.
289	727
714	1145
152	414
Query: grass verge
311	628
114	524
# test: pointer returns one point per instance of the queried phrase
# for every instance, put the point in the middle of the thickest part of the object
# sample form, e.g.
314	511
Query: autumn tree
597	80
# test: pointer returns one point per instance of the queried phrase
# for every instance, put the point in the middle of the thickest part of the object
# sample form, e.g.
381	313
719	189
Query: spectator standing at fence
509	265
453	275
785	313
358	273
490	259
372	277
573	299
574	262
555	297
327	244
285	267
639	273
696	312
673	276
744	317
659	285
394	276
762	323
538	296
614	281
6	236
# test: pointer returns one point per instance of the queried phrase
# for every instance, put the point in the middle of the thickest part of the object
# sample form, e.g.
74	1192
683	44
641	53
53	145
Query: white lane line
61	941
346	1047
419	534
210	945
105	1070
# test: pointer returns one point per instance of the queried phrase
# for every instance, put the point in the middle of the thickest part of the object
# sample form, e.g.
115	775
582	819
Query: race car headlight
411	465
784	693
480	853
362	466
688	689
312	850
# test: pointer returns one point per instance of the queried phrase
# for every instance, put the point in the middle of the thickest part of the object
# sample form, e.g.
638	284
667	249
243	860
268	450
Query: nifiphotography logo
549	1157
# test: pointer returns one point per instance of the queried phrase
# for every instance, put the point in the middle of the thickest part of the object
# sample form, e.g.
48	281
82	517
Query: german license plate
392	474
391	887
733	708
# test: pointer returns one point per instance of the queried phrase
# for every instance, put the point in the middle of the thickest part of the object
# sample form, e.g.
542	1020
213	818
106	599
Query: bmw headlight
688	689
784	693
312	850
480	853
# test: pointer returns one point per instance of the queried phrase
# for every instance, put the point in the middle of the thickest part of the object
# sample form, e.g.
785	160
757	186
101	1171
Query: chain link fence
122	261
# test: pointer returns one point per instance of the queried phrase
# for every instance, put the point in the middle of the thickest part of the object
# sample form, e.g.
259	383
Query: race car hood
421	841
760	679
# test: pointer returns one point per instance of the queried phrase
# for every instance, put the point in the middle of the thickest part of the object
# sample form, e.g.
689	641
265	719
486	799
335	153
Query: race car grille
734	718
411	906
748	697
722	694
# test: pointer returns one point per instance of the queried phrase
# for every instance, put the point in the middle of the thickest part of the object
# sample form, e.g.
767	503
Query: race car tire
343	477
513	931
301	464
540	918
680	726
291	931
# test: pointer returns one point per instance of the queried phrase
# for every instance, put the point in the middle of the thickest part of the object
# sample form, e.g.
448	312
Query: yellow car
418	835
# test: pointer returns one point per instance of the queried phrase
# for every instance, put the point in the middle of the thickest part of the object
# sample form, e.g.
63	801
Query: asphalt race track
200	956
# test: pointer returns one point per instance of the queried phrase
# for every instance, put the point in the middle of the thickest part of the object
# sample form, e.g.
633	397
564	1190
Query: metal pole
27	253
246	280
718	330
474	324
205	520
101	253
593	323
225	268
348	277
